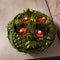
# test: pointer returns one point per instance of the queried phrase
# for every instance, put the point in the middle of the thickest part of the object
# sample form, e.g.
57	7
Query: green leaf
27	43
49	42
48	21
28	46
27	12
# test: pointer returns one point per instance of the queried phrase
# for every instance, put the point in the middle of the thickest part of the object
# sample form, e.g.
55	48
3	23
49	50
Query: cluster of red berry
40	33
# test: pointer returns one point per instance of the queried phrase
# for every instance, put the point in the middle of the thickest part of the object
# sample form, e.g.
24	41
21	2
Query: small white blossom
46	43
39	31
25	18
43	17
14	40
28	46
20	31
48	37
18	38
15	43
17	35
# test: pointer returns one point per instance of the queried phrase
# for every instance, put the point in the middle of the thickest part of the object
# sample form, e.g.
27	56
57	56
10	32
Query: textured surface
54	6
9	9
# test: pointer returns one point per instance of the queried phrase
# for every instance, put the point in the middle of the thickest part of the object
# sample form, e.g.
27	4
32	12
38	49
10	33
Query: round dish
31	31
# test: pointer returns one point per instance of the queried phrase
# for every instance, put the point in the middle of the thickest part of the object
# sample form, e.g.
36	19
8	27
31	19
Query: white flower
18	38
20	31
14	40
25	18
48	37
16	44
39	31
17	35
46	43
28	46
43	17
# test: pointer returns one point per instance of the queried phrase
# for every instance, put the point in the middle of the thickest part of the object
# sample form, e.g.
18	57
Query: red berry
23	30
41	20
27	20
40	35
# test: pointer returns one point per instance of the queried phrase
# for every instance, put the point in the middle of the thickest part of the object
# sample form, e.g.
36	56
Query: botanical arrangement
31	31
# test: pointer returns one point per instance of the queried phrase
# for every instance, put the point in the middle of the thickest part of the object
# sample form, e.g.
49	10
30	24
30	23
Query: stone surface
54	6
